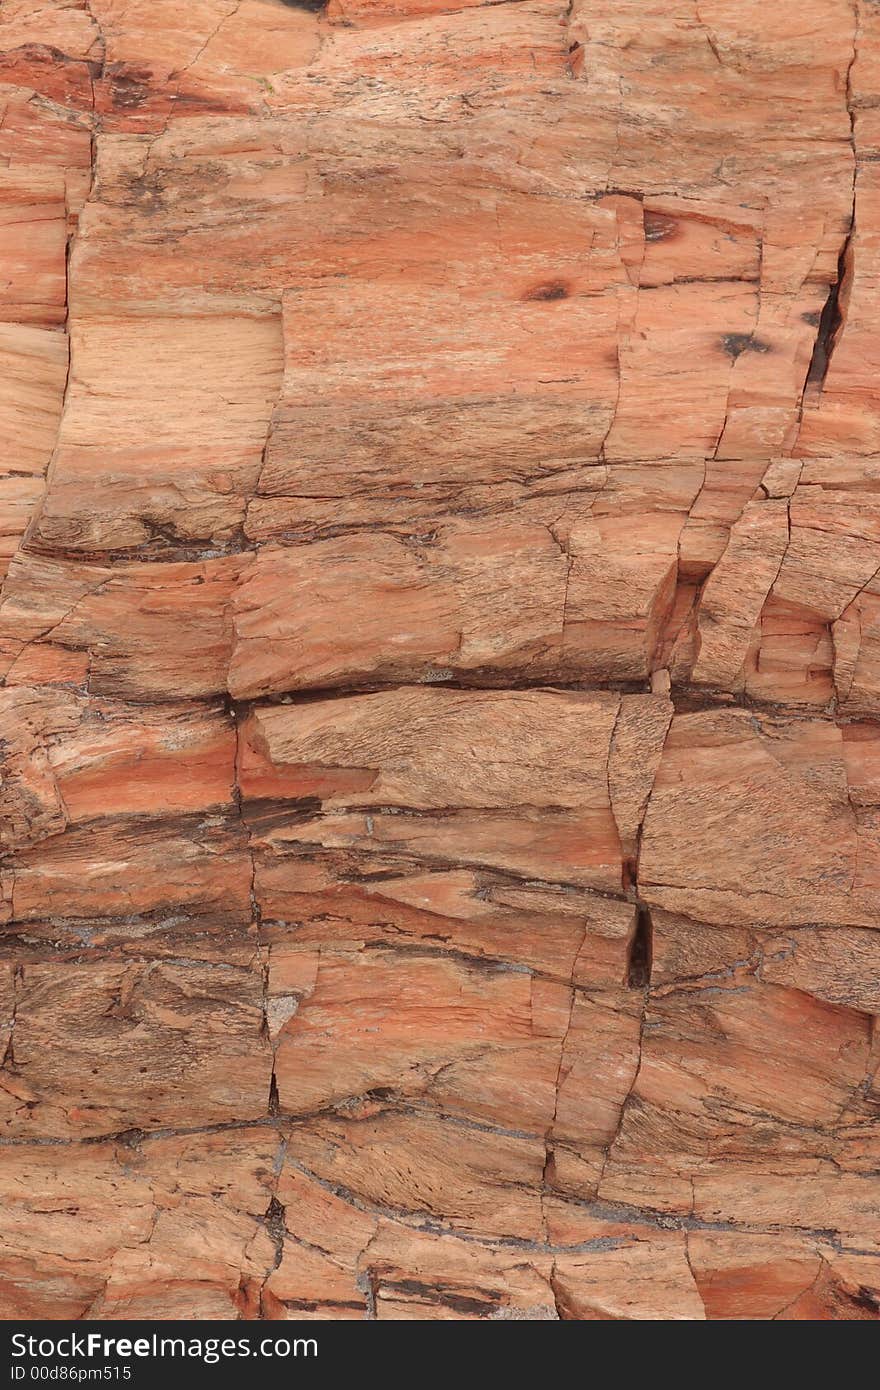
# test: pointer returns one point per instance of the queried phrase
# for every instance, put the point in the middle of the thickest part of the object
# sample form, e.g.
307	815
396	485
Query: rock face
441	646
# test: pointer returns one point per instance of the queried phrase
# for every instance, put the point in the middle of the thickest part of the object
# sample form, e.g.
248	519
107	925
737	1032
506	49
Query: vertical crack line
272	1101
8	1062
274	1222
638	976
367	1282
831	318
574	50
97	67
689	1263
562	1312
273	409
549	1152
832	315
71	239
640	958
549	1133
254	492
276	1228
601	454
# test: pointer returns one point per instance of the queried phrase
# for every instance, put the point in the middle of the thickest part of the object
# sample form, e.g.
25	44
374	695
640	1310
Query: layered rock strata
440	803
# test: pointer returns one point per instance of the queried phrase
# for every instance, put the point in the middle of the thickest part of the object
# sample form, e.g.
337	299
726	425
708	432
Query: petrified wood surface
441	639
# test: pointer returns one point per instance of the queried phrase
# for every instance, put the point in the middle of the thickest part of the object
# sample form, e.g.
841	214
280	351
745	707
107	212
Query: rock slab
440	656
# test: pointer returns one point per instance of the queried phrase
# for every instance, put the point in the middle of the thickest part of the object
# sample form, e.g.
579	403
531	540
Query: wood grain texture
440	656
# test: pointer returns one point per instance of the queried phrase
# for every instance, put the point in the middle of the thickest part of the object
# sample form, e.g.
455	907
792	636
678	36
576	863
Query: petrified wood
440	639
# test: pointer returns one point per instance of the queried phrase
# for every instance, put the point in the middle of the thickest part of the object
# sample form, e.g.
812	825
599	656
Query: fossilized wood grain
440	639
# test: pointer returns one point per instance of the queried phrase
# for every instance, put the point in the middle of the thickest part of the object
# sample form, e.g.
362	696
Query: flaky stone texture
440	639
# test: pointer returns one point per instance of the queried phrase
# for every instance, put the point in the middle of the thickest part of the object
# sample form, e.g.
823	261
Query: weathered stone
440	648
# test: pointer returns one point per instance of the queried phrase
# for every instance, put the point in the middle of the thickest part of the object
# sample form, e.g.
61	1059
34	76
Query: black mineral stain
551	289
129	87
734	344
812	317
313	6
865	1298
659	227
442	1296
127	94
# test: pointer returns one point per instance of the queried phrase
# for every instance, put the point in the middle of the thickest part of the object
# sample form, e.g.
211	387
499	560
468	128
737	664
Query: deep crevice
831	318
274	1221
274	1099
638	967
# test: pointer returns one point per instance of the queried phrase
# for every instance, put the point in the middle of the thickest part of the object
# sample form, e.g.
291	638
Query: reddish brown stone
440	650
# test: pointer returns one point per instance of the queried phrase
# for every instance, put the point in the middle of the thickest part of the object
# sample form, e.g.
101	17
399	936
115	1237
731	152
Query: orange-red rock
440	658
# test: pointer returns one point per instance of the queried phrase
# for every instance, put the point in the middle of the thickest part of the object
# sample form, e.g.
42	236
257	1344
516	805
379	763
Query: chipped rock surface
440	654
